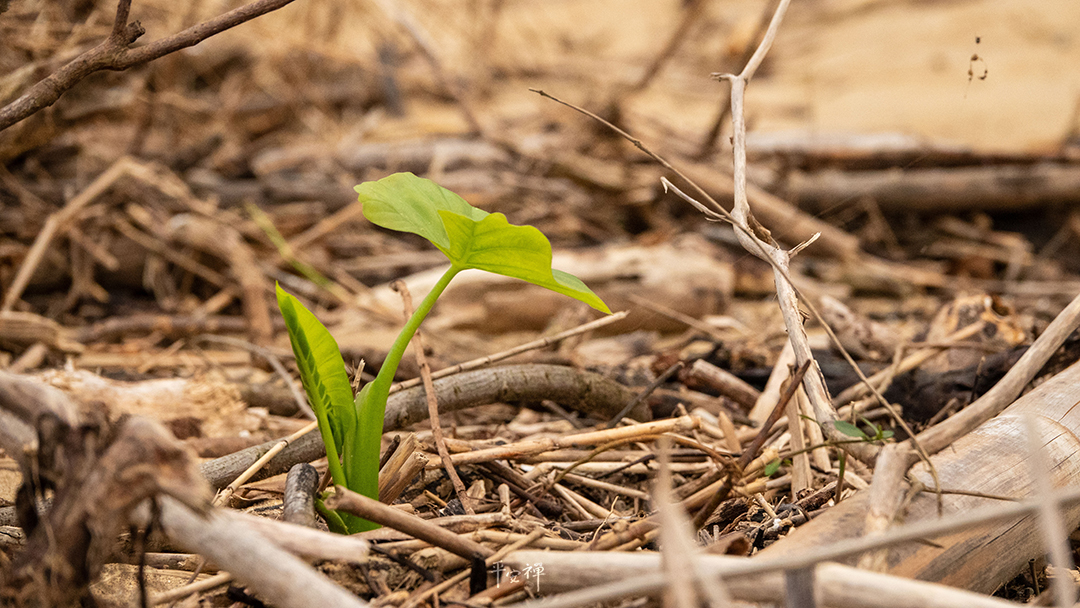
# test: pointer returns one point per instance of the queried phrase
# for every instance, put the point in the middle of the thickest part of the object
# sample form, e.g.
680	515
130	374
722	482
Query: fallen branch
101	474
839	585
887	488
298	502
588	392
370	509
98	473
994	188
272	572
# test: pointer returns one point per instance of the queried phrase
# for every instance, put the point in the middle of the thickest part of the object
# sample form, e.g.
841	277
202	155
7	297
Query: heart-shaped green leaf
322	369
470	237
407	203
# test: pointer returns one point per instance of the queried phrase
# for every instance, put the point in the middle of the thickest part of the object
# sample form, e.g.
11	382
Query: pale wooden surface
836	585
993	460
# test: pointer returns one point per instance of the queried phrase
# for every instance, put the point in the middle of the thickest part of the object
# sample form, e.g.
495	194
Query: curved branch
586	391
197	33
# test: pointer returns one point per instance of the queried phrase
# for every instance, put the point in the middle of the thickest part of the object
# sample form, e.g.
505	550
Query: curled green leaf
469	237
322	368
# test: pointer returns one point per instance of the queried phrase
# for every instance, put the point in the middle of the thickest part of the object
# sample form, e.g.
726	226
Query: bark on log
993	188
835	585
586	391
992	459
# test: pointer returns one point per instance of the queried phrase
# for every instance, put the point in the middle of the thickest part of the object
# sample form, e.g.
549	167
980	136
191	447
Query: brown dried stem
709	143
1051	524
787	293
433	403
517	350
538	446
758	241
751	451
373	510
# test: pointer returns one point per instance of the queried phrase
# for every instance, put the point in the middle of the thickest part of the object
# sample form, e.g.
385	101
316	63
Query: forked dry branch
116	53
894	460
757	240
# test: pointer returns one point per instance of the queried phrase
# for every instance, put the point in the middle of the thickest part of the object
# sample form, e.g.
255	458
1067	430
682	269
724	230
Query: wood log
584	391
993	188
992	459
637	574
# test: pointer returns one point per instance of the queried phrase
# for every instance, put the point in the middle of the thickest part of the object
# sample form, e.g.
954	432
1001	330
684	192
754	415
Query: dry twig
433	403
373	510
517	350
1054	533
786	292
115	53
585	391
840	585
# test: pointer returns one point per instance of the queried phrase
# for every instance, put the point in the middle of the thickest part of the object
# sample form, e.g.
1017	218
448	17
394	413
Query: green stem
362	462
333	519
382	382
333	461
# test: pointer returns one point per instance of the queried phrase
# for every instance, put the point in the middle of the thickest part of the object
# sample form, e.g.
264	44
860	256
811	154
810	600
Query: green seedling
471	239
773	467
876	433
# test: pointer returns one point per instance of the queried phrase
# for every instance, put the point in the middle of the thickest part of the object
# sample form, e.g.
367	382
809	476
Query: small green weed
471	239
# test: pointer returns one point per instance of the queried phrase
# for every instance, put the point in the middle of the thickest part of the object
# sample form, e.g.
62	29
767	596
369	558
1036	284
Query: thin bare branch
113	54
910	533
197	33
433	402
1051	524
123	8
766	42
517	350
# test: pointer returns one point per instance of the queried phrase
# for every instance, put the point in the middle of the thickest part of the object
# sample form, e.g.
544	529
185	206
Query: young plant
471	239
877	433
